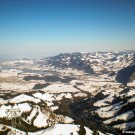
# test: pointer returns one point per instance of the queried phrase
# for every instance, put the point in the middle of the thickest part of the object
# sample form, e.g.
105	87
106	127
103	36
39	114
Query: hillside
68	94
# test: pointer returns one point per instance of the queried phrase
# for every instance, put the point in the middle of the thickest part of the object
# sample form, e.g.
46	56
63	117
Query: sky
38	26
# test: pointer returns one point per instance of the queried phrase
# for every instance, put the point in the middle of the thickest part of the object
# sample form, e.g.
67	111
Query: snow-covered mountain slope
96	62
37	111
74	93
58	129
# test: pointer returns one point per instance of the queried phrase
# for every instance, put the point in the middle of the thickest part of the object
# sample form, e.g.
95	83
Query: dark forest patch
52	78
41	86
124	74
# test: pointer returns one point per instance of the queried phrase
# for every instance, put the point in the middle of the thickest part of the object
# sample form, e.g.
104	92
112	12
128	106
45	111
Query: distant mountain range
92	63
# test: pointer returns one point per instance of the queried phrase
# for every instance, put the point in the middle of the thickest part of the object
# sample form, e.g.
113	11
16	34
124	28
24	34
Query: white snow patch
23	98
24	107
33	113
68	120
80	95
2	101
131	100
60	97
59	88
125	126
16	87
53	108
41	120
45	97
68	95
106	114
62	129
10	73
125	116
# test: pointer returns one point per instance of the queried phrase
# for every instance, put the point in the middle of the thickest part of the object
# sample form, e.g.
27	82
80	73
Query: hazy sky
28	26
